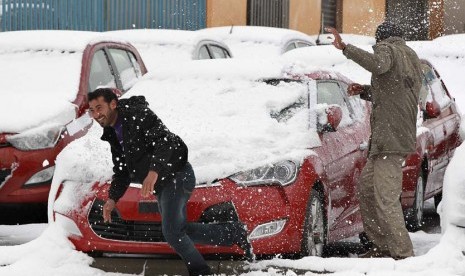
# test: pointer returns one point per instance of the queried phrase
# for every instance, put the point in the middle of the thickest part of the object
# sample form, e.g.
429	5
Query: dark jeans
172	200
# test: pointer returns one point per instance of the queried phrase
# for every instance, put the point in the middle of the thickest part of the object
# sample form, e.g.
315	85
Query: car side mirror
329	120
433	110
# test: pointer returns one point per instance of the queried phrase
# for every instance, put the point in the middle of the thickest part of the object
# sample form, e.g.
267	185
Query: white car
160	46
259	42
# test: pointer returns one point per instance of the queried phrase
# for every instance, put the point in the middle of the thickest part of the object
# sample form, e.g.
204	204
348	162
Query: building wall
454	16
436	18
362	16
305	16
226	13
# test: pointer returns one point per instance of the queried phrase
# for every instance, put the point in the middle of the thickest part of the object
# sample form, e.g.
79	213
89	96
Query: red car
437	138
46	77
288	206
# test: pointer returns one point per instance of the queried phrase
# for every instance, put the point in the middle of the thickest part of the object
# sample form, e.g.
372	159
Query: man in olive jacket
145	151
394	92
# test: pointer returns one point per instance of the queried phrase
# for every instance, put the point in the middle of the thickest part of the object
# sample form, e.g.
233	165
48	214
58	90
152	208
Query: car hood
19	113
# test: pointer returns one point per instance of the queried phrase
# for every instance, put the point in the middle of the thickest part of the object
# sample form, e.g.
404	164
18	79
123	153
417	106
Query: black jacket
147	145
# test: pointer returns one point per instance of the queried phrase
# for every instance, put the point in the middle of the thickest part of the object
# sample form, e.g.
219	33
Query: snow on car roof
257	33
326	57
161	46
46	40
157	36
256	41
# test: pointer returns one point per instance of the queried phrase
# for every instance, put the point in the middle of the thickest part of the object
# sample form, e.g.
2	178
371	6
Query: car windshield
291	109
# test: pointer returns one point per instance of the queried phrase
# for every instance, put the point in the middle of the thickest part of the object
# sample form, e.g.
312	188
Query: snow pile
453	201
82	163
51	254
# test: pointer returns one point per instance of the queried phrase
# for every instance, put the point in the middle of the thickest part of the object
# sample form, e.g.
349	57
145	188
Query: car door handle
363	146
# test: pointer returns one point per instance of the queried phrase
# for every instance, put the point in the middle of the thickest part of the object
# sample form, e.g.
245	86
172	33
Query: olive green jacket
394	91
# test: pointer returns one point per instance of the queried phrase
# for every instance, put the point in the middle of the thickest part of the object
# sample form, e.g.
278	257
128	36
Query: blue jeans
172	201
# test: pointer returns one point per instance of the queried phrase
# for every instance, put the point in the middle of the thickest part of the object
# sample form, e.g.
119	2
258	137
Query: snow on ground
52	254
18	234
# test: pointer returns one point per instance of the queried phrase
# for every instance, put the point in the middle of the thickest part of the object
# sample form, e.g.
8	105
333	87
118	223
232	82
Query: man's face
104	113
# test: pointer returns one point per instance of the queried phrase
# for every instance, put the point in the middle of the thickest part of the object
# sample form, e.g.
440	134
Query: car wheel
414	217
314	235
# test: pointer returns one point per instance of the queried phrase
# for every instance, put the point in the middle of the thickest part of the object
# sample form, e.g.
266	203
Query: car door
346	151
444	127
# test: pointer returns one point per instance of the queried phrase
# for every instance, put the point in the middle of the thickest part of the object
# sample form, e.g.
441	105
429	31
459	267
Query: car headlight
282	173
38	138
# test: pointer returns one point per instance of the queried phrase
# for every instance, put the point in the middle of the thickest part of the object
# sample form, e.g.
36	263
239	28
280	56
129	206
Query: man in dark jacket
145	151
394	92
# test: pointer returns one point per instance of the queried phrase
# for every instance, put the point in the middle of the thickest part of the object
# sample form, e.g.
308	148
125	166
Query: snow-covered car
259	42
281	153
45	77
161	47
437	138
437	125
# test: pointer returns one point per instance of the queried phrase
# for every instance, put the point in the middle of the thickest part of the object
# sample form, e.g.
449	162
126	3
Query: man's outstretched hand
149	183
107	208
337	38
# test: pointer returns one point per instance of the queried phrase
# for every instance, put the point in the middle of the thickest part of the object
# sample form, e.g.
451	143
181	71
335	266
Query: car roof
161	36
256	41
257	34
165	46
75	41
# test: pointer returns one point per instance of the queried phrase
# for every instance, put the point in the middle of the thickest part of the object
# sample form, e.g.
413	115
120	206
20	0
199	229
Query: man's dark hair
107	93
386	30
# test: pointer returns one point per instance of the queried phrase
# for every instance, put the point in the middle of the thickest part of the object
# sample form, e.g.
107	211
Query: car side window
100	73
217	52
357	105
425	93
290	46
203	52
330	93
301	44
437	87
128	74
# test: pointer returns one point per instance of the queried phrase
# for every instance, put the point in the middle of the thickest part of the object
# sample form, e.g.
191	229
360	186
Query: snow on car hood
37	86
227	123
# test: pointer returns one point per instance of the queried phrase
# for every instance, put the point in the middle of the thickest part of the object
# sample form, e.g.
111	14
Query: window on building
329	13
268	13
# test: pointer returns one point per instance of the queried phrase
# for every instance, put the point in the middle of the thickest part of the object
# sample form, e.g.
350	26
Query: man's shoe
242	240
375	252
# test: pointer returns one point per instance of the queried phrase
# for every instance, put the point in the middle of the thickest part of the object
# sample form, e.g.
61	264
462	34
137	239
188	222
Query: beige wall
362	16
454	16
305	16
226	13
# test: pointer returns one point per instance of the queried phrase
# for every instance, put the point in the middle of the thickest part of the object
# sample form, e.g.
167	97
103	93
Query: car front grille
137	231
123	230
4	174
